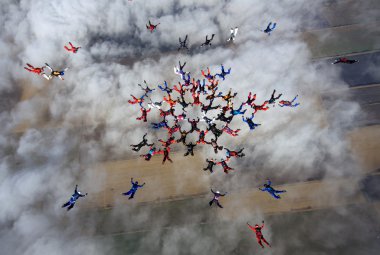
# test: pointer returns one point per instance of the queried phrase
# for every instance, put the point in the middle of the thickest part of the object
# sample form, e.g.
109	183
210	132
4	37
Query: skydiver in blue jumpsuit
159	125
238	111
223	73
268	188
270	29
250	123
134	188
165	88
73	199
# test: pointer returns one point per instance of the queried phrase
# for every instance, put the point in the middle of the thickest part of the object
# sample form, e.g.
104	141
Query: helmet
217	191
61	73
257	226
137	182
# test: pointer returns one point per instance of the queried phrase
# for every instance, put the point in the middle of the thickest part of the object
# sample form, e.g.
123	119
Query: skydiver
202	134
344	61
183	137
259	236
74	197
283	103
196	99
273	99
151	27
166	88
269	29
180	90
226	168
147	90
233	34
169	100
238	111
223	73
134	188
216	197
249	121
206	108
137	100
228	96
193	124
144	142
36	70
208	76
210	164
230	131
217	132
268	188
208	41
222	117
165	152
72	48
182	44
190	149
215	145
251	98
180	70
152	151
262	107
53	73
236	154
144	113
161	124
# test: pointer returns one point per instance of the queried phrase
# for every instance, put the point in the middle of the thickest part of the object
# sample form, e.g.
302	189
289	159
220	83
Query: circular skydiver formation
202	94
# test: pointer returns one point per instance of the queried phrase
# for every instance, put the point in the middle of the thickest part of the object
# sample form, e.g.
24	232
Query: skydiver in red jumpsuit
230	131
165	152
259	236
223	163
151	27
36	70
144	113
72	48
344	61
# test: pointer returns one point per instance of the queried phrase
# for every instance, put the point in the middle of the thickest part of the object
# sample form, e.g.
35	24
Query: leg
265	241
71	206
66	204
259	242
210	203
132	195
280	191
217	202
274	195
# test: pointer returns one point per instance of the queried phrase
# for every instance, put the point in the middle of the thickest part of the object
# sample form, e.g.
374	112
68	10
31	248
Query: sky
85	119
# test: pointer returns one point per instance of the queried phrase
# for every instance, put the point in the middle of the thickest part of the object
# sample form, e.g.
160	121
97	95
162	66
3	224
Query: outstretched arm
269	182
132	181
